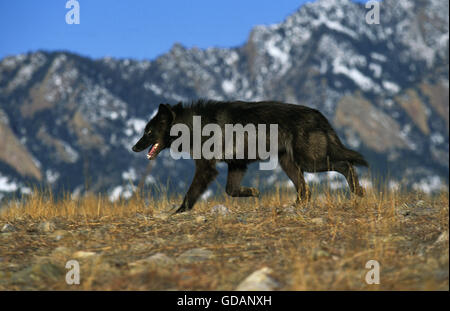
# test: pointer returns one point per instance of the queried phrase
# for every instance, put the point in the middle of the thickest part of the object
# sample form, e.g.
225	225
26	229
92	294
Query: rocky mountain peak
384	87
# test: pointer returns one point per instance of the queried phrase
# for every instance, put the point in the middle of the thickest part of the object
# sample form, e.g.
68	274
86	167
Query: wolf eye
148	132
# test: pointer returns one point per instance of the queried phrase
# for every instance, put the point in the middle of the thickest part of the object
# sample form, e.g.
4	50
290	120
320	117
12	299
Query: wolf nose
134	148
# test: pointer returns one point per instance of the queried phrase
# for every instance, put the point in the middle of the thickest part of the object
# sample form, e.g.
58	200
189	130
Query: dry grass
320	245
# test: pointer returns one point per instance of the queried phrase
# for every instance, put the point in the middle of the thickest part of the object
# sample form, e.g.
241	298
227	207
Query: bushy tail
355	158
339	152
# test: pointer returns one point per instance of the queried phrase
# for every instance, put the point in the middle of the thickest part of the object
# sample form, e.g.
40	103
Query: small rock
61	251
8	228
220	210
159	241
259	280
318	221
441	275
141	247
200	219
420	203
46	226
320	253
195	255
443	237
59	234
160	259
162	215
47	270
83	254
142	217
156	260
39	272
420	209
289	209
6	235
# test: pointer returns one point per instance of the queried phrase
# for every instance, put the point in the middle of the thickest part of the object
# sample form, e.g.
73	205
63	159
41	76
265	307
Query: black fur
306	143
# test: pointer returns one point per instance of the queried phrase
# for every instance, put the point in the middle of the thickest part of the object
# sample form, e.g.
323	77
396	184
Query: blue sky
133	28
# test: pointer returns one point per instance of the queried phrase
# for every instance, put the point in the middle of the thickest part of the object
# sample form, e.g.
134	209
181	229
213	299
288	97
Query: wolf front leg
205	172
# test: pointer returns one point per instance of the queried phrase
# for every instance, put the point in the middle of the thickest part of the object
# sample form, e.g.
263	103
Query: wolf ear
167	112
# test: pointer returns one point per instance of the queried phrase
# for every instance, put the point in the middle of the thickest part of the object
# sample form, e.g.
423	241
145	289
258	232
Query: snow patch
6	185
312	178
437	138
228	86
391	86
124	192
429	184
153	87
138	125
379	57
276	52
365	83
51	176
376	69
232	58
207	194
130	174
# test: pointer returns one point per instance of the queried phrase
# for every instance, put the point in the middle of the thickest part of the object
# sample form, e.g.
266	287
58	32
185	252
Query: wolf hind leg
348	170
295	174
234	188
205	172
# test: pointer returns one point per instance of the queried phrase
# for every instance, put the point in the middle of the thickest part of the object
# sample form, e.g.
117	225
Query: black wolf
306	143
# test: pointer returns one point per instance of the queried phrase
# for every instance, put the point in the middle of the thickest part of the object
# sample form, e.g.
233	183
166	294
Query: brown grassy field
323	244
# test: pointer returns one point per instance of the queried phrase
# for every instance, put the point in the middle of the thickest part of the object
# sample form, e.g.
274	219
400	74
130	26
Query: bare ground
323	244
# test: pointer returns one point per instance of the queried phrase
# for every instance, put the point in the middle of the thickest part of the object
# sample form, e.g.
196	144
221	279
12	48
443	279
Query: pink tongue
150	152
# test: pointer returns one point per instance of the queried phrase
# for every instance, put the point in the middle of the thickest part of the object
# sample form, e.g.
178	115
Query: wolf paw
360	192
254	192
181	209
305	198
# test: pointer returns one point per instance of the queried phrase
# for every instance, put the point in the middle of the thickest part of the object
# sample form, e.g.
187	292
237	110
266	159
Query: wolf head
157	132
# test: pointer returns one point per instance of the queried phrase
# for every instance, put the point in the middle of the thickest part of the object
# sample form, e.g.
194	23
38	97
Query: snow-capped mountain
69	121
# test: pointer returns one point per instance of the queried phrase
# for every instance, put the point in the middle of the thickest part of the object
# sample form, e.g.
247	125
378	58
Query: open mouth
153	151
